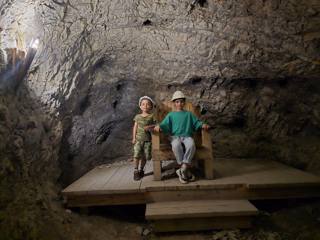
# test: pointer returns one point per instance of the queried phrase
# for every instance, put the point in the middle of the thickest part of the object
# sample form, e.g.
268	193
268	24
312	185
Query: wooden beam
197	224
105	199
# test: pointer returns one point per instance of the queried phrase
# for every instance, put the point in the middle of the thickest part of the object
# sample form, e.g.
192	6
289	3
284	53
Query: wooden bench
161	147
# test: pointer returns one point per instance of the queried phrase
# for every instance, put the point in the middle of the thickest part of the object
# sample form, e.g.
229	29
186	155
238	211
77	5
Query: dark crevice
98	64
104	132
119	86
283	83
195	80
147	23
252	83
114	104
84	103
203	3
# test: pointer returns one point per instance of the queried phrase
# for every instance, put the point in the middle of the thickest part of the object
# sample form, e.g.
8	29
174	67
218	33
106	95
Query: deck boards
98	175
235	178
199	208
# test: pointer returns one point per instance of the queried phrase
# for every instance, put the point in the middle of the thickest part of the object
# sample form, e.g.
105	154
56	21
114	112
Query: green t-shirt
182	123
143	135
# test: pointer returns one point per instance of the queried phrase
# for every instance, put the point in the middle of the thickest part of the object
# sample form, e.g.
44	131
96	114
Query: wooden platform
235	179
200	214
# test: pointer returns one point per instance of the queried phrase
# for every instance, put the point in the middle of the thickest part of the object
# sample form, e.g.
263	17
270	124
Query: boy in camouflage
141	136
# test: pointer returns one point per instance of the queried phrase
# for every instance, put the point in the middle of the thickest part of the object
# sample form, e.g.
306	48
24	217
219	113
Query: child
141	136
181	124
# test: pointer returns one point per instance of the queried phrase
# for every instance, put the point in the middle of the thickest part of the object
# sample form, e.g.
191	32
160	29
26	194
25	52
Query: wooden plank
174	184
155	140
157	170
105	199
199	194
199	208
280	177
102	180
283	193
236	179
148	180
197	224
122	181
235	193
83	184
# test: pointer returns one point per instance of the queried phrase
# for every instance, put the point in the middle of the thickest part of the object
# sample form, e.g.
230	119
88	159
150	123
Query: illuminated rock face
252	66
240	60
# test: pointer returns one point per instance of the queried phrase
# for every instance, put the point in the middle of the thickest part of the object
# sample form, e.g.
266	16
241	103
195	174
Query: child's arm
134	132
149	127
205	126
199	124
154	126
164	126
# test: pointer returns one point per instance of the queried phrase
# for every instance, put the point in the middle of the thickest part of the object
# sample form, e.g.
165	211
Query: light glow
35	44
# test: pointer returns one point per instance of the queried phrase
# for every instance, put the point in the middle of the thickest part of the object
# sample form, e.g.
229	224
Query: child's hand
205	127
149	127
133	141
156	128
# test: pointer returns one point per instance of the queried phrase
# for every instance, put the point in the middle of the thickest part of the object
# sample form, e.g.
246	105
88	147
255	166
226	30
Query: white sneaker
181	177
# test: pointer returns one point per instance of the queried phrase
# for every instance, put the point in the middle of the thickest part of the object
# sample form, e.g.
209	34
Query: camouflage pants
142	150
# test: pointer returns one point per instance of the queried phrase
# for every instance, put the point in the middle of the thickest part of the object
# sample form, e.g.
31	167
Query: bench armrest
206	139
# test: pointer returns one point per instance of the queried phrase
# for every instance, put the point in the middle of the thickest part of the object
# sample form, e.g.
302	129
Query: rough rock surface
30	203
252	66
243	60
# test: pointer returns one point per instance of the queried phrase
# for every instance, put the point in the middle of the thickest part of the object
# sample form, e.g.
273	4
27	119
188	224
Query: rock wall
239	59
252	67
31	206
29	145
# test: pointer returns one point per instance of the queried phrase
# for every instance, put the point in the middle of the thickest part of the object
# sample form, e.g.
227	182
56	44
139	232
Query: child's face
179	104
146	106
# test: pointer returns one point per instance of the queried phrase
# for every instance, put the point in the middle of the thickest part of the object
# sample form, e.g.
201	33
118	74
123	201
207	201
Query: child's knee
176	144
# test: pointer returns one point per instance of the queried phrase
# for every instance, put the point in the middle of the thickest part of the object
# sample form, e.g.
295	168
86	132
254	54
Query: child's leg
142	164
136	174
190	150
177	149
136	163
146	157
147	154
137	149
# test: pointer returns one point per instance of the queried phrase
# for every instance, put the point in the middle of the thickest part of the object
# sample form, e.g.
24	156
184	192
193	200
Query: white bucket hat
148	98
178	95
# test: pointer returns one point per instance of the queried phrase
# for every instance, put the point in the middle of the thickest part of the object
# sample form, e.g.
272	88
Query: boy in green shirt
181	124
141	136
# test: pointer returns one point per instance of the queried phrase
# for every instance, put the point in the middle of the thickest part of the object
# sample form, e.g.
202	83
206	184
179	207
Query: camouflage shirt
141	134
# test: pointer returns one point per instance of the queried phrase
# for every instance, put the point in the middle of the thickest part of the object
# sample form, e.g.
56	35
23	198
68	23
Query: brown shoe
136	175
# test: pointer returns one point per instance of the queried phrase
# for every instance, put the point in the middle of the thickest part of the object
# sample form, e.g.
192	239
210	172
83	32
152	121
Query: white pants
177	148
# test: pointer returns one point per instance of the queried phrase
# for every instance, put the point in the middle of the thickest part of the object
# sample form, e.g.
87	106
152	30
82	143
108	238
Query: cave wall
29	168
253	65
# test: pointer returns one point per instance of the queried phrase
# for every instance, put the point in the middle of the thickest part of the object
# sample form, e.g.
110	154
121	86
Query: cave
71	75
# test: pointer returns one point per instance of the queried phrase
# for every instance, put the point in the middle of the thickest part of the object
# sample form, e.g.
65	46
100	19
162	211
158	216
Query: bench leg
208	167
156	170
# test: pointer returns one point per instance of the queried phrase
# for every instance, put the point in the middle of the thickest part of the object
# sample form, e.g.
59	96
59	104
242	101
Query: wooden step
200	215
